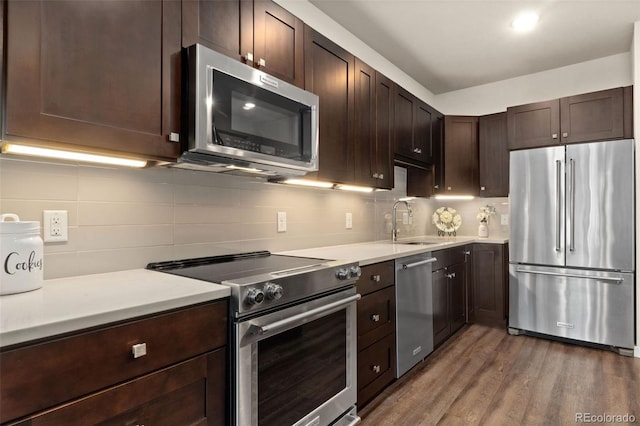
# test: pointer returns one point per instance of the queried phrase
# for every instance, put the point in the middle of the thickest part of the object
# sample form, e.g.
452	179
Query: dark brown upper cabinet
373	127
259	33
329	73
595	116
493	155
460	155
412	129
96	76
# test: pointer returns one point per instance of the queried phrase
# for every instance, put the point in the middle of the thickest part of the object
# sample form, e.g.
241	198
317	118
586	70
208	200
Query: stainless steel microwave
239	119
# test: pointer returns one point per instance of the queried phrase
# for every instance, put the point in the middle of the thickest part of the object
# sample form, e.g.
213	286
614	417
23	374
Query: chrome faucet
394	225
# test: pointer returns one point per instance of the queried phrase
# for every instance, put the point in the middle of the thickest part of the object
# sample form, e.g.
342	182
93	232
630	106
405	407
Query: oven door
297	366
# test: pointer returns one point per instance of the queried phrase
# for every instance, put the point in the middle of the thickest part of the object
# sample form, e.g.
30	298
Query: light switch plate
348	221
282	221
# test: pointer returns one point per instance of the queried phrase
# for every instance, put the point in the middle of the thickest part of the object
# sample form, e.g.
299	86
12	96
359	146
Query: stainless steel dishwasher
414	311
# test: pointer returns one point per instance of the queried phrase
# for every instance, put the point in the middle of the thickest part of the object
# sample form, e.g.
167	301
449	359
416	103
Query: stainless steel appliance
572	247
414	311
294	348
241	120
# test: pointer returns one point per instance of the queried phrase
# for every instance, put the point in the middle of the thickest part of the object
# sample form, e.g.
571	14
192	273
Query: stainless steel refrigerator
572	242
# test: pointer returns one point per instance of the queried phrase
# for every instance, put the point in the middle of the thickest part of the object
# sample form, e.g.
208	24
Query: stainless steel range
293	336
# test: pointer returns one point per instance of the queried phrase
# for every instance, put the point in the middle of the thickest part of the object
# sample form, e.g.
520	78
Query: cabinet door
329	73
489	287
376	316
192	392
461	154
592	116
225	26
419	182
422	134
493	155
384	107
365	126
278	41
534	125
441	329
437	128
102	75
457	282
403	123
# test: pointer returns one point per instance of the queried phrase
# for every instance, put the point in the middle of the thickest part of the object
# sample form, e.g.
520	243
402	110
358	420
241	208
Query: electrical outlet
55	226
405	218
348	221
504	219
282	221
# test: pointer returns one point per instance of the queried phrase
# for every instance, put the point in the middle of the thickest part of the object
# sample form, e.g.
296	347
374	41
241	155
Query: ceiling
454	44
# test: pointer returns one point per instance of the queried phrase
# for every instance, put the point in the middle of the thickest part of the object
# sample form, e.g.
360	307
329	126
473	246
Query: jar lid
10	224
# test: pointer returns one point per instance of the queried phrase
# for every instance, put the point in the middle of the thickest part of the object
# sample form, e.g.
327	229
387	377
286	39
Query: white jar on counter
21	254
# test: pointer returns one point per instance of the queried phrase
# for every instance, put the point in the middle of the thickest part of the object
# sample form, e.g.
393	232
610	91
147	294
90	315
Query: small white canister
21	255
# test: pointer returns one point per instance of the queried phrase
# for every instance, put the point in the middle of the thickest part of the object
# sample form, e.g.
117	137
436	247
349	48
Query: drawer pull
375	317
375	278
375	368
139	350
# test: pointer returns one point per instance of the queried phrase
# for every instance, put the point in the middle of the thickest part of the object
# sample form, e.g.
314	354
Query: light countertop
380	251
69	304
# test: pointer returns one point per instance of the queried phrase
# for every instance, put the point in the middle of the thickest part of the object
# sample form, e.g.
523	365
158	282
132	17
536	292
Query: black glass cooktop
231	267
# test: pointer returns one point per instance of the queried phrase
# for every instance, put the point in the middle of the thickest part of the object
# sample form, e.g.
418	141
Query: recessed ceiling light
525	22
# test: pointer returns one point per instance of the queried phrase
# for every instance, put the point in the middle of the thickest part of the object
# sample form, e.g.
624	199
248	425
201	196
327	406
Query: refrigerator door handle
572	208
558	202
617	280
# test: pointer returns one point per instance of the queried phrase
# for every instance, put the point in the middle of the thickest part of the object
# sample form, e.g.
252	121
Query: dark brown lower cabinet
450	281
192	392
490	270
376	330
91	376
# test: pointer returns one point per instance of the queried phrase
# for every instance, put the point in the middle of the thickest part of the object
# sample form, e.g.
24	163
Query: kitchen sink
416	243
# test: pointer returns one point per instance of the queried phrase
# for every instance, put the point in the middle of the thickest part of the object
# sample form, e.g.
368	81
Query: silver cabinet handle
619	280
375	368
375	317
451	275
558	202
436	186
572	207
262	63
174	137
376	176
467	252
565	135
421	262
248	57
375	278
417	150
139	350
482	188
554	136
448	188
263	329
380	176
352	419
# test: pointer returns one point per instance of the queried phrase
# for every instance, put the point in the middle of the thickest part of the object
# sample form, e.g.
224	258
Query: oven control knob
273	291
355	271
342	273
254	296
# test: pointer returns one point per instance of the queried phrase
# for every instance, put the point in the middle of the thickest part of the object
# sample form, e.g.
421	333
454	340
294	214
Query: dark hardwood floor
484	376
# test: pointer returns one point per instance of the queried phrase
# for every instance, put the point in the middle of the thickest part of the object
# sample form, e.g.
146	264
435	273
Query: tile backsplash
122	219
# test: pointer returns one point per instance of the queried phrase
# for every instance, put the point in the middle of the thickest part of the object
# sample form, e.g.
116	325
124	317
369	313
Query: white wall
635	66
590	76
329	28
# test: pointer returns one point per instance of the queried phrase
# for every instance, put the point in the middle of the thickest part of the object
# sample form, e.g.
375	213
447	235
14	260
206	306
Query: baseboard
636	352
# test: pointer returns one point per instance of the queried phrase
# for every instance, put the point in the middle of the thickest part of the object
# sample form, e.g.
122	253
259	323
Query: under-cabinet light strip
454	197
12	148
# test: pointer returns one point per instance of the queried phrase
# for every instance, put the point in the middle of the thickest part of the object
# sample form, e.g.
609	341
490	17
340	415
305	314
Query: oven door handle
263	329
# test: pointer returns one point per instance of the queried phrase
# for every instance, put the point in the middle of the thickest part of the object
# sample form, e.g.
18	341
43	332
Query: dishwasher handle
421	262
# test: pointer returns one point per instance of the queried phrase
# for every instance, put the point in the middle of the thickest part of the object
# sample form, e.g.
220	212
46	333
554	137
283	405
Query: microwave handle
263	329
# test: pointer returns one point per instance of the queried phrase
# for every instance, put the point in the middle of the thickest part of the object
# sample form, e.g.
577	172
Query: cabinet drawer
375	277
376	316
449	257
46	374
192	392
376	367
